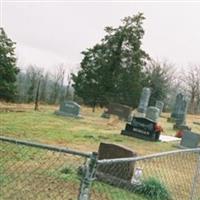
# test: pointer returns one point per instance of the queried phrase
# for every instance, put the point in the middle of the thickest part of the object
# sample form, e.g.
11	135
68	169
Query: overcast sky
47	33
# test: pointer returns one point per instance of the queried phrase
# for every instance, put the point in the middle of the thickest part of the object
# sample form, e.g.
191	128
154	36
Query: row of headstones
124	112
71	108
178	114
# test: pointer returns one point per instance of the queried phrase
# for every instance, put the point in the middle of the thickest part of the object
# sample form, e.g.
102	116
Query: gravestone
180	108
142	128
190	139
144	100
152	113
179	112
115	171
69	108
160	105
122	111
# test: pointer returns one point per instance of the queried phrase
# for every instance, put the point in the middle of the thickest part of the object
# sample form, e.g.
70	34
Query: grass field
85	134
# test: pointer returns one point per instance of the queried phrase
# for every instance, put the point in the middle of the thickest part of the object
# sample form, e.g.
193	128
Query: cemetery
92	133
88	113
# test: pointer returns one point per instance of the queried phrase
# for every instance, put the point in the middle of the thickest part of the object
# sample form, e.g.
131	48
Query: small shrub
152	188
66	170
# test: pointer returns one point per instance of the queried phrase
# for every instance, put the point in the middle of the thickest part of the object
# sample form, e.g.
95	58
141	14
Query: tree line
50	87
113	70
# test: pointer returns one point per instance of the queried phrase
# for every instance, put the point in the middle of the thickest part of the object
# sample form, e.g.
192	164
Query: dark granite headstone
190	139
117	170
160	105
142	128
144	100
122	111
69	108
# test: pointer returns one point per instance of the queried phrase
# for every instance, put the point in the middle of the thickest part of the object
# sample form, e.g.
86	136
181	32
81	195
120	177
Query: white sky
48	33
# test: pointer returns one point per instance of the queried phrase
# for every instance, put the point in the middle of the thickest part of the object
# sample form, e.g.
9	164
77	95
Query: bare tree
58	82
37	94
191	83
69	92
33	74
44	87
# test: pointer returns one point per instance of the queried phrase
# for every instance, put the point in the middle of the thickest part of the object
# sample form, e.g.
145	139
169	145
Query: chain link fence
165	176
36	171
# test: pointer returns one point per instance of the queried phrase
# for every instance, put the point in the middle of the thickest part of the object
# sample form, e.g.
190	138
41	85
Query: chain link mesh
170	177
34	173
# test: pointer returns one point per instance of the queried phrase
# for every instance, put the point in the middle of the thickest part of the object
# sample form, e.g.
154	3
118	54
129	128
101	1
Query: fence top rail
156	155
45	146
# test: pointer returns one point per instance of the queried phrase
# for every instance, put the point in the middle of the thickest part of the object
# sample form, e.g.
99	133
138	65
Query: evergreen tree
159	77
112	71
8	69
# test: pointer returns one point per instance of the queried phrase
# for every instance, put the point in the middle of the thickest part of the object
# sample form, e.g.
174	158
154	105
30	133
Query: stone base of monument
67	114
167	138
181	127
138	135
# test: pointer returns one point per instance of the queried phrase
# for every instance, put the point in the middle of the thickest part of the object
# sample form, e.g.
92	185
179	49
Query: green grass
83	134
152	188
106	191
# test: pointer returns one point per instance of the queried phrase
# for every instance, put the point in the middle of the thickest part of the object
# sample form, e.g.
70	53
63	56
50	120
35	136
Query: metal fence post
89	173
195	180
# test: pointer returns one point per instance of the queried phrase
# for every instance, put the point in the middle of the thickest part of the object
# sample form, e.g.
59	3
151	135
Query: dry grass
83	134
20	121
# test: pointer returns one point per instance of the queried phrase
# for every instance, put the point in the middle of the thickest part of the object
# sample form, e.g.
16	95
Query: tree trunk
93	107
37	97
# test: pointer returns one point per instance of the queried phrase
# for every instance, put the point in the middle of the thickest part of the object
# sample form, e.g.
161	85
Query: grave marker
179	112
122	111
190	139
152	113
69	108
144	100
116	170
160	105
